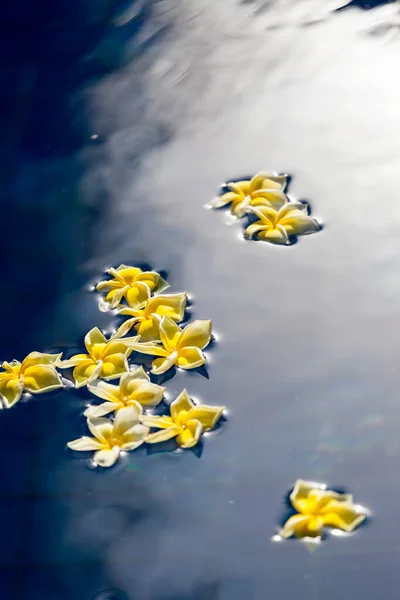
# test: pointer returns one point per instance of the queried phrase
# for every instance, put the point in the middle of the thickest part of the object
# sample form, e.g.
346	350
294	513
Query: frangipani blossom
135	388
264	189
180	347
110	438
319	508
131	283
186	423
36	374
277	226
147	316
106	359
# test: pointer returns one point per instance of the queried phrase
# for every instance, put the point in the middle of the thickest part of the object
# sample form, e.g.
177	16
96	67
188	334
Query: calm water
119	123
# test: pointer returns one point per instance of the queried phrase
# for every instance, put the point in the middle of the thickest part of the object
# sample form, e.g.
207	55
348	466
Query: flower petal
11	390
126	272
85	444
275	236
149	348
267	180
86	372
38	358
117	346
196	334
125	419
272	198
137	293
105	391
108	284
220	201
170	333
190	436
149	329
161	365
115	296
124	328
107	458
131	380
148	394
300	496
341	515
102	430
135	437
149	278
181	402
207	415
190	358
172	305
155	421
114	366
74	361
254	228
93	338
294	524
102	409
299	225
41	378
266	214
239	187
163	435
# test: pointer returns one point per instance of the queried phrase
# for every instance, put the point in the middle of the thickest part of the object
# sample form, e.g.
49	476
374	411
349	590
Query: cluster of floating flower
273	217
155	319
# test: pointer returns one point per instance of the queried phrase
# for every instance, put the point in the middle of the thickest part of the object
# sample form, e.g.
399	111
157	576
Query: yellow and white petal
78	359
108	284
172	305
275	236
38	358
207	415
94	337
149	348
115	296
196	334
294	524
126	272
190	358
342	516
272	181
266	214
272	198
13	367
124	328
161	365
242	188
181	403
102	409
11	390
114	366
223	200
105	391
86	372
102	430
107	458
85	444
190	435
118	346
170	333
149	329
133	312
299	225
300	496
125	419
148	394
130	381
135	437
255	228
163	435
155	421
41	378
149	278
137	293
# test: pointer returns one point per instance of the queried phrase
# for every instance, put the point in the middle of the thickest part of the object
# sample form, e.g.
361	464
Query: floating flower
110	438
147	316
186	423
264	189
131	283
135	388
180	347
277	225
319	508
105	358
36	374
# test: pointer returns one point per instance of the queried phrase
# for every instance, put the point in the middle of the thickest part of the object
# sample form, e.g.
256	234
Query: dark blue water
119	122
